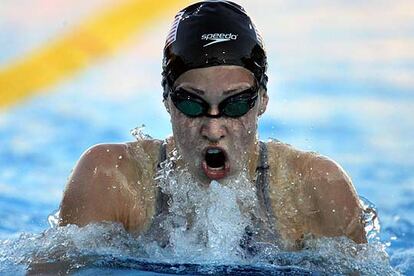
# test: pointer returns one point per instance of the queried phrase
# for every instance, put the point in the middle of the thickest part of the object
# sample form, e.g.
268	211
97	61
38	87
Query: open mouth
215	164
215	158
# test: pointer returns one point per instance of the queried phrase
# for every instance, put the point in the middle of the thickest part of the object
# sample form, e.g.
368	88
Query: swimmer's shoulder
308	167
337	210
319	189
112	182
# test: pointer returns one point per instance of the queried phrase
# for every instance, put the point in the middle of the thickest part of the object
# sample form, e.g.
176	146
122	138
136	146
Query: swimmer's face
216	147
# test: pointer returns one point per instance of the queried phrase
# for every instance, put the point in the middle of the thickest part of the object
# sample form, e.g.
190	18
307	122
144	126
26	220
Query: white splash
206	223
139	133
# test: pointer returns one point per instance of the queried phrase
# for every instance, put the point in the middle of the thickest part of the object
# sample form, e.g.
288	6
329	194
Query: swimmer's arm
94	189
338	211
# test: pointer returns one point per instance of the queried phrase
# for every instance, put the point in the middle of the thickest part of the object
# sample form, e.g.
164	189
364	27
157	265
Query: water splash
334	256
65	248
206	227
205	224
53	219
140	134
371	220
107	246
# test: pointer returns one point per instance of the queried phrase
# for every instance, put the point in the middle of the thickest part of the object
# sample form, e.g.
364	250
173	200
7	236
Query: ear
264	99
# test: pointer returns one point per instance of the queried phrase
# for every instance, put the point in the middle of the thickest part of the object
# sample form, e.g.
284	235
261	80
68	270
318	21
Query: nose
213	130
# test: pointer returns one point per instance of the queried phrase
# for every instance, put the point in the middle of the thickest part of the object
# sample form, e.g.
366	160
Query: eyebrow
198	91
225	93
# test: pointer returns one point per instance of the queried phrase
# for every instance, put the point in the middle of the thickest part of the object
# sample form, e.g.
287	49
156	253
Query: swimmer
215	89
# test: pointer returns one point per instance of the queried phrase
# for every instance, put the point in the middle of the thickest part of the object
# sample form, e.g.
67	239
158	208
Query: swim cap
212	33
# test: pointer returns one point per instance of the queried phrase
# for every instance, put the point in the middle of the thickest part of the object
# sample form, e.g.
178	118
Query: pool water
340	84
212	245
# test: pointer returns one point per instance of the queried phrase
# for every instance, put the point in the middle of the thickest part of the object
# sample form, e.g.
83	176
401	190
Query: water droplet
139	133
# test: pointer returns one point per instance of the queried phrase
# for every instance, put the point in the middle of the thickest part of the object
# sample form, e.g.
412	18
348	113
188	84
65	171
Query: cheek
243	139
184	129
246	128
182	126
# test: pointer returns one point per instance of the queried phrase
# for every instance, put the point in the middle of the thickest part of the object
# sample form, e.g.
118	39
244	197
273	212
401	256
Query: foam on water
71	248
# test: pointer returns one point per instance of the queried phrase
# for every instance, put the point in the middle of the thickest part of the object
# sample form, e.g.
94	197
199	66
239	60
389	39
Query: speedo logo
218	37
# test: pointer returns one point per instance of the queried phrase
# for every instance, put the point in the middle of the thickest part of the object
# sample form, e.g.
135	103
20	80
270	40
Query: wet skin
310	194
235	136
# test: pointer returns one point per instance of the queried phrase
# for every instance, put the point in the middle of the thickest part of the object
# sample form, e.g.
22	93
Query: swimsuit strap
262	170
262	184
162	199
264	221
163	154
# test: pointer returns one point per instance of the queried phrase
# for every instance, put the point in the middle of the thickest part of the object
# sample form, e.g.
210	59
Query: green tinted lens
236	108
190	108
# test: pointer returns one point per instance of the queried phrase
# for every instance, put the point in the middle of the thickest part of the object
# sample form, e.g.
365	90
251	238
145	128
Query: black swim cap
212	33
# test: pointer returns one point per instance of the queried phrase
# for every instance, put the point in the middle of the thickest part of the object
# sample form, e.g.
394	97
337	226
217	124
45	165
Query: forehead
216	78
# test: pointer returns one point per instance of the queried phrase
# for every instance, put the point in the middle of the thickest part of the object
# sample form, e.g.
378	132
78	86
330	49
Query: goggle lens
234	106
190	108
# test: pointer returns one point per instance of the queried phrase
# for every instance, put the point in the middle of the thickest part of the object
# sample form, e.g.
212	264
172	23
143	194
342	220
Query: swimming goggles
234	106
